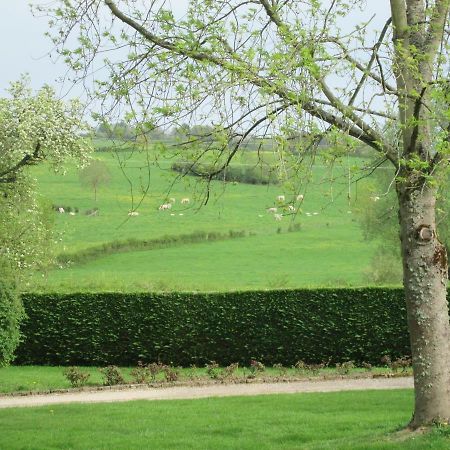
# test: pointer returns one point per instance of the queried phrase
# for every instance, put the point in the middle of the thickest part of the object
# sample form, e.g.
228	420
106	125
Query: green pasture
346	420
327	247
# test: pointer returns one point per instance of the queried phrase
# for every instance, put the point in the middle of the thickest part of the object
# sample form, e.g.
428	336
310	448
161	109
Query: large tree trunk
425	281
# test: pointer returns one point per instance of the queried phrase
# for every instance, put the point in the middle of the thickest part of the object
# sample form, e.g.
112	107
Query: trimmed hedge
184	328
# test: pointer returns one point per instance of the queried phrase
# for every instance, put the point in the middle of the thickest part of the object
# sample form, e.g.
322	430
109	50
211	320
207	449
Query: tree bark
425	276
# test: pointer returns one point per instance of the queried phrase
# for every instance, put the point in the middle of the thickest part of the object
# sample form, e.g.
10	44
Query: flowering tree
294	69
33	129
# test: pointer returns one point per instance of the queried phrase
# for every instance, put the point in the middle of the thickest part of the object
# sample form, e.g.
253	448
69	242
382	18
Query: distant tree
95	175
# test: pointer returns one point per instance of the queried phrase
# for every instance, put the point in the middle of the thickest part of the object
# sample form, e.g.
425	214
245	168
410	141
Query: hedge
186	328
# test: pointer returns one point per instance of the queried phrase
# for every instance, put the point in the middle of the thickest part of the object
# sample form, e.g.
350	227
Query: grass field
50	378
346	420
327	248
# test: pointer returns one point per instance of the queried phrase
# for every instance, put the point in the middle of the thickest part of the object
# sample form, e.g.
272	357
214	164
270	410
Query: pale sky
25	48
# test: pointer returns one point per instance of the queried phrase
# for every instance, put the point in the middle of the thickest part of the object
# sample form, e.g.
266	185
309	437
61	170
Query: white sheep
133	213
375	198
165	206
272	210
281	198
71	213
277	217
185	201
291	208
300	197
61	210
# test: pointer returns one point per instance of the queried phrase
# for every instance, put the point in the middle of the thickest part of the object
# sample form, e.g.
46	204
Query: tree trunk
425	282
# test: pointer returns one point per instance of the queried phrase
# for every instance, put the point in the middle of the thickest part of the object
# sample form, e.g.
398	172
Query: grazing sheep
300	197
185	201
375	198
133	213
72	213
165	206
281	198
277	217
291	208
61	210
272	210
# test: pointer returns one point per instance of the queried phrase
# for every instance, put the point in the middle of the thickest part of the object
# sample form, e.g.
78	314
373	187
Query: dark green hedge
184	329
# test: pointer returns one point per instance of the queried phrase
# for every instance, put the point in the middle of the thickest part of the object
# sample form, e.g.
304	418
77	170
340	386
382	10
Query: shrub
76	377
11	315
255	368
171	374
213	370
280	326
345	367
234	174
229	371
112	376
141	374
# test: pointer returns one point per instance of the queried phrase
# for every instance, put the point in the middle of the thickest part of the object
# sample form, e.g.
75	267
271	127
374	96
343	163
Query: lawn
327	248
346	420
50	378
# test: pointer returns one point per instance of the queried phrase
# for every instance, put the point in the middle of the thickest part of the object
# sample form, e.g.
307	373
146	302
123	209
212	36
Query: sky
25	49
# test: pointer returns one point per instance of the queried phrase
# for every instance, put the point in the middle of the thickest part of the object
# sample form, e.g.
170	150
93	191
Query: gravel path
190	392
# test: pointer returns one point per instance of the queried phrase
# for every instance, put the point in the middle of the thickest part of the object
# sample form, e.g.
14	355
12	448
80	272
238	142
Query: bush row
185	328
132	244
240	174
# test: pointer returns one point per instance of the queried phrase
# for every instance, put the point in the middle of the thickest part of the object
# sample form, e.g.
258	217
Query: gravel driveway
216	390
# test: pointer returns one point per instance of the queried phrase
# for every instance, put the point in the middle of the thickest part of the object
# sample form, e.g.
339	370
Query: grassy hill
321	244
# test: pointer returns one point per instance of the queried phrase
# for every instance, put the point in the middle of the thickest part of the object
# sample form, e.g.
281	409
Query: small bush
141	374
345	367
171	374
255	368
229	371
76	377
155	369
403	363
112	376
213	370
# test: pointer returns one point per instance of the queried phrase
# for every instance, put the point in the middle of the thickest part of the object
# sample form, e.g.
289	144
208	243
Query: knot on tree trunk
424	234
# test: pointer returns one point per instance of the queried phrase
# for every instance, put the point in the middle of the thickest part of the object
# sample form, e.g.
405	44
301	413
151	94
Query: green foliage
95	175
112	376
316	325
236	174
76	377
34	128
11	314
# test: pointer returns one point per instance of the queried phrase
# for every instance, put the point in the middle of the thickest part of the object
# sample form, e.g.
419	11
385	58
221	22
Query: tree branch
5	175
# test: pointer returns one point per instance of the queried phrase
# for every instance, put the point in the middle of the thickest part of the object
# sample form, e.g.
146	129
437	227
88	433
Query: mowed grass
346	420
49	378
329	248
276	261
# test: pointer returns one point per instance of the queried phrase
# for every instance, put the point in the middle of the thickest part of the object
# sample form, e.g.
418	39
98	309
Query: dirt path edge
193	392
